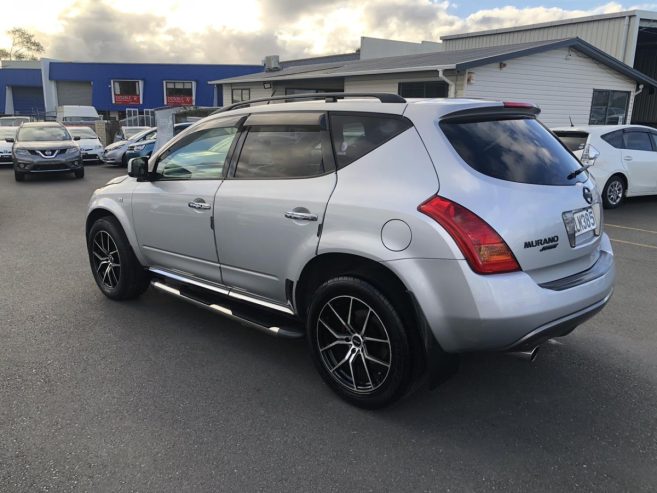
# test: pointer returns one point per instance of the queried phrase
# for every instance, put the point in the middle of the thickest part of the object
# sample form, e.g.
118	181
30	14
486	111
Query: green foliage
24	46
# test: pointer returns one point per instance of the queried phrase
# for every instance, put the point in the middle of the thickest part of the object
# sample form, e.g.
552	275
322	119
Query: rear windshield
575	141
518	150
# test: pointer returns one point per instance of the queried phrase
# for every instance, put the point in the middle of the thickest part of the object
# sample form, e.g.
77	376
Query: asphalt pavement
158	395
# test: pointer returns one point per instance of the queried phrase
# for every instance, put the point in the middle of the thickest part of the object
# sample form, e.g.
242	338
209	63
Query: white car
5	147
623	158
90	145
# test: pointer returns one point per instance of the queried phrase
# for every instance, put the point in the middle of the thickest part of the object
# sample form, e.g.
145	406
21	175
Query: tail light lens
482	247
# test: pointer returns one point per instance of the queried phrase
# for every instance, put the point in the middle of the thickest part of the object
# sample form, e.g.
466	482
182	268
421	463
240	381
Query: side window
614	139
149	136
281	151
356	135
654	141
637	141
199	156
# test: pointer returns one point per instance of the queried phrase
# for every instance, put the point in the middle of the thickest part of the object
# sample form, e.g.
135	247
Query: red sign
126	99
179	100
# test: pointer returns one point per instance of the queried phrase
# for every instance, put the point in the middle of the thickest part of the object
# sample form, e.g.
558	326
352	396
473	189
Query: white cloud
244	31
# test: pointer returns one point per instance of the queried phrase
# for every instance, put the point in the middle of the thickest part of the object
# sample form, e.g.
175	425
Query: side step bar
270	323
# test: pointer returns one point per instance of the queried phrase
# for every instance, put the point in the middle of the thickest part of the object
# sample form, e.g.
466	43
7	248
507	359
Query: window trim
328	157
626	110
241	89
140	89
164	90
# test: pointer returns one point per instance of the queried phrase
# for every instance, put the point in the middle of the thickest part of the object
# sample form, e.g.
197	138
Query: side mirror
77	137
138	168
11	140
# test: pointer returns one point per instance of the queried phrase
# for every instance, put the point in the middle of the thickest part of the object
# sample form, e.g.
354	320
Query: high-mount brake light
482	247
517	104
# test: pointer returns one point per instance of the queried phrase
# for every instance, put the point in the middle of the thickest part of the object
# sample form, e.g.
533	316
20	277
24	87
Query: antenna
571	120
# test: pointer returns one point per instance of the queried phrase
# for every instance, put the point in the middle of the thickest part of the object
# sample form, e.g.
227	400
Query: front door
173	212
641	162
269	211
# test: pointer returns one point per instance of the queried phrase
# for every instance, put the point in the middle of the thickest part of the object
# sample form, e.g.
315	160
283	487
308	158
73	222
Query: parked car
5	147
13	121
77	114
145	147
45	147
127	133
409	233
623	158
90	145
115	153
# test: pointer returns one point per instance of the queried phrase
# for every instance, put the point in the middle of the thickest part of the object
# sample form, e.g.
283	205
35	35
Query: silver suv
392	234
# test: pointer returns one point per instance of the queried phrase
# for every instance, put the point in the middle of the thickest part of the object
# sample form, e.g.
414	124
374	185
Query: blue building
37	88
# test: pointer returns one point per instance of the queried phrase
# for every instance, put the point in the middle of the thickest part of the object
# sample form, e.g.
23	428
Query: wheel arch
105	207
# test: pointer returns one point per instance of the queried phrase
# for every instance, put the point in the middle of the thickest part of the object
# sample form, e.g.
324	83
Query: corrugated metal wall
646	103
28	100
74	93
606	34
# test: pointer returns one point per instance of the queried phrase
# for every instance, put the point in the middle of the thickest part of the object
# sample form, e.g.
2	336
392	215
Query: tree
24	46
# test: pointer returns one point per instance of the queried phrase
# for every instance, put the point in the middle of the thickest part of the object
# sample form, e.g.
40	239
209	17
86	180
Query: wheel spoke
351	304
113	275
342	362
367	319
98	255
333	344
351	369
344	324
374	339
367	371
333	333
376	360
100	247
101	265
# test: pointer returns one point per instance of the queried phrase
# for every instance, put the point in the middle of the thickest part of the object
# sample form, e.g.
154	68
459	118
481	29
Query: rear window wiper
578	171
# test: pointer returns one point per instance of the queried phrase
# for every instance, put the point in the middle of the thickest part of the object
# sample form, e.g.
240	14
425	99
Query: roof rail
329	97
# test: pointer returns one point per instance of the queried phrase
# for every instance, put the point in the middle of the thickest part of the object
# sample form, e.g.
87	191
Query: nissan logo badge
588	196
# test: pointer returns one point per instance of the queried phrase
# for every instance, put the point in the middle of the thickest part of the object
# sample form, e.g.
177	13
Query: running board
266	321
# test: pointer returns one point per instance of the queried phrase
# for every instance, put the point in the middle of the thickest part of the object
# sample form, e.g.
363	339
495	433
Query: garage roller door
74	93
28	100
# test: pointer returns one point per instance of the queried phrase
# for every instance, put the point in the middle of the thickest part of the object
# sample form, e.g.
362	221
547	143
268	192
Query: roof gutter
451	87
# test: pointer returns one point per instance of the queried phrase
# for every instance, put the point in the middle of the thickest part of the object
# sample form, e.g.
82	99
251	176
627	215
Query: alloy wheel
353	344
107	262
615	192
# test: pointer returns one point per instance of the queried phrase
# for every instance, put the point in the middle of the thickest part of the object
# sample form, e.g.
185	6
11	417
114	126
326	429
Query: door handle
627	158
301	216
199	204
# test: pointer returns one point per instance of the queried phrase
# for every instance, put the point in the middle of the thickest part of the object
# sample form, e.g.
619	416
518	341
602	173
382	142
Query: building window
428	89
126	92
609	107
239	95
179	92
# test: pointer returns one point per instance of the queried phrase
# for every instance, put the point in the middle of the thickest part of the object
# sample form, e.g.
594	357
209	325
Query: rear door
269	211
173	213
640	158
519	178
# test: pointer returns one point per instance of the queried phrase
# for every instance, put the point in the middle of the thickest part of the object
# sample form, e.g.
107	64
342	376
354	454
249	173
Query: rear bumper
470	312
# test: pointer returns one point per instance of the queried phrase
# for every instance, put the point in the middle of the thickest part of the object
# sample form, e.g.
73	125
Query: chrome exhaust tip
528	355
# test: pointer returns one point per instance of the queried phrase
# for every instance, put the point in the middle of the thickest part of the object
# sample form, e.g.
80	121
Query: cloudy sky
243	31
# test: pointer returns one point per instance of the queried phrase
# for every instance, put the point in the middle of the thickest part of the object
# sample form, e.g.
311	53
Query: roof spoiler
507	110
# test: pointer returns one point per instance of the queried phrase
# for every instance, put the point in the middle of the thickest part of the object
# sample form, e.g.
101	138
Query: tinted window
519	150
637	141
575	141
429	89
614	138
51	133
654	140
608	107
285	151
356	135
199	156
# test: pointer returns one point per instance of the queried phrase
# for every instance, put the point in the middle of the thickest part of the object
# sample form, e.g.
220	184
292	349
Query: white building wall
257	91
560	81
386	82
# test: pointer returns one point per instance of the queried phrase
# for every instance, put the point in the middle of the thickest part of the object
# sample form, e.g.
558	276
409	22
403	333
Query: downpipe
529	355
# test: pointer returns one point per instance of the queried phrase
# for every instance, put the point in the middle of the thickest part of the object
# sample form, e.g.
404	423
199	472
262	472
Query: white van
70	113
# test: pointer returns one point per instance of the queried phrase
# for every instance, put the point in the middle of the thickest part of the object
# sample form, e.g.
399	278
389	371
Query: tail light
482	247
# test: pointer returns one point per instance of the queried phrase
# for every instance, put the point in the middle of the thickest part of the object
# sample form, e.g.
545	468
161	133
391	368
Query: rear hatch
574	140
520	179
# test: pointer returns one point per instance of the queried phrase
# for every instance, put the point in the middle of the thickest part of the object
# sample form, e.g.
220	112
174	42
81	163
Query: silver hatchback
392	234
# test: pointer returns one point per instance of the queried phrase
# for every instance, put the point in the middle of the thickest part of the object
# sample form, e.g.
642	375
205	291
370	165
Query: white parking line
633	229
643	245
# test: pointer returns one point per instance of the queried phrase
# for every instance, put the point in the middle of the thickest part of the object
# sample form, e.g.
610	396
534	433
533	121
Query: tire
124	161
79	173
18	176
613	192
117	272
366	361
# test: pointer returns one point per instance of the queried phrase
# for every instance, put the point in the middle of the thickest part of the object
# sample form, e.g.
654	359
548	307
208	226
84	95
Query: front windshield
83	133
45	133
7	132
134	132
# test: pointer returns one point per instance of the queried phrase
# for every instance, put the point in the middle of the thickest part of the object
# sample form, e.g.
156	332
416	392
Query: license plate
584	221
